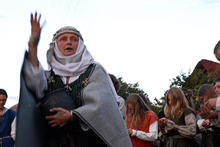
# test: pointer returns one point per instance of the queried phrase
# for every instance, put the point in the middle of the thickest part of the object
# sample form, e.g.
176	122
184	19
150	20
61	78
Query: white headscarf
73	65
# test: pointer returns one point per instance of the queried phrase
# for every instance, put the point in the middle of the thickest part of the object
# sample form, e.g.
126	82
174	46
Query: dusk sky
144	41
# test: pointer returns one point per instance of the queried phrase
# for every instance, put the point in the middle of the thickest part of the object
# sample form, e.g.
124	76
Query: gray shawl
100	111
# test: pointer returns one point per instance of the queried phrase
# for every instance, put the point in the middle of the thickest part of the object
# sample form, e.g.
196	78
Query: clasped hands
206	124
61	118
129	131
162	122
207	109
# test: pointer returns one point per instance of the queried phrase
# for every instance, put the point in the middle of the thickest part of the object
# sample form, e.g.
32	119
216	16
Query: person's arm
151	136
122	106
34	75
13	129
207	114
199	123
34	39
213	103
35	79
217	105
61	118
216	122
188	130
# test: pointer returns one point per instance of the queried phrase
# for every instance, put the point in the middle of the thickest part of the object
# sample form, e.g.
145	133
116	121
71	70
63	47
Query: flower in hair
187	93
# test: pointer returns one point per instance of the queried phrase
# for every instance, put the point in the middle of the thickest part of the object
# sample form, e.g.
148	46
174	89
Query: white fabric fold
73	65
188	130
151	136
63	66
218	104
4	111
201	128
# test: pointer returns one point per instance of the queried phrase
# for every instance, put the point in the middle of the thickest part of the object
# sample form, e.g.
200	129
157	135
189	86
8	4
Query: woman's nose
69	41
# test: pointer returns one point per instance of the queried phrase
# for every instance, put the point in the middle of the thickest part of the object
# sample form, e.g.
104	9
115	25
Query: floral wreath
187	92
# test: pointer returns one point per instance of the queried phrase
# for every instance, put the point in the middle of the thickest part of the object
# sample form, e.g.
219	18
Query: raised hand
34	39
35	24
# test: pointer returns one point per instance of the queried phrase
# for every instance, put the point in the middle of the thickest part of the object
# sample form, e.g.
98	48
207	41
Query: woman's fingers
35	24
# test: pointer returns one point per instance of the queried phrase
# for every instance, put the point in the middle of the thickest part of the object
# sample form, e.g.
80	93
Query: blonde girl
140	121
179	126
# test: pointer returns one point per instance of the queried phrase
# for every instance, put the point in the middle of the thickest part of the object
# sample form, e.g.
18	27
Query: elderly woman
96	120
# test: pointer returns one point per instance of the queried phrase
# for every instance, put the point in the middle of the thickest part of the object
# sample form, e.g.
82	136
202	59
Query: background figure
179	126
117	86
146	102
217	51
211	108
7	116
205	92
161	115
143	98
213	102
141	122
188	95
216	83
14	107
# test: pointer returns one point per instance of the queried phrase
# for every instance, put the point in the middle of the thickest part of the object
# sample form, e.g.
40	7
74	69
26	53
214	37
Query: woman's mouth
69	49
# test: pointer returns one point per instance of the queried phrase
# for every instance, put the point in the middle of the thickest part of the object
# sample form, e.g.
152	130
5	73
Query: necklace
1	118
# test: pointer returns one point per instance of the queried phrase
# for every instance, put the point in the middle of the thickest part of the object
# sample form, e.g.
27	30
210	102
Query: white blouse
151	136
188	130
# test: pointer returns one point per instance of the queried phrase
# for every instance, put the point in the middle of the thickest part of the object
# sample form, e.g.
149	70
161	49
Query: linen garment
183	137
147	134
5	127
99	111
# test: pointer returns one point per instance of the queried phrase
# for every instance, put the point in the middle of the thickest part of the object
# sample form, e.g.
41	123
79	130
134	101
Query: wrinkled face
130	108
169	102
217	55
68	43
217	88
2	101
204	98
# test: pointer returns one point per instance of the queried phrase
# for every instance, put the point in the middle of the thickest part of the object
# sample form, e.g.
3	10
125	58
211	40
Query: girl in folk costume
180	127
205	92
188	95
141	122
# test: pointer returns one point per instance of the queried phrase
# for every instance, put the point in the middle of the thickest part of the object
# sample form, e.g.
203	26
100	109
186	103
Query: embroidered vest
55	82
180	120
69	136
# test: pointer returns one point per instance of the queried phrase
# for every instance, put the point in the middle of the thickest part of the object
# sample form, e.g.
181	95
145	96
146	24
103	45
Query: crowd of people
96	116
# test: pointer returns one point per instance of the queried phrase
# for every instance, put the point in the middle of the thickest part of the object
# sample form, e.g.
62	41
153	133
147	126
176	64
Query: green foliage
189	81
193	82
128	88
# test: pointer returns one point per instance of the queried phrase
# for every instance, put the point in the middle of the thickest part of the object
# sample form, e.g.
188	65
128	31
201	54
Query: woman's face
204	98
169	102
130	108
2	101
217	88
217	55
68	43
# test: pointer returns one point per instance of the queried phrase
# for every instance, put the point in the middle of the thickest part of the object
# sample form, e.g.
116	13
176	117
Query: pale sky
144	41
